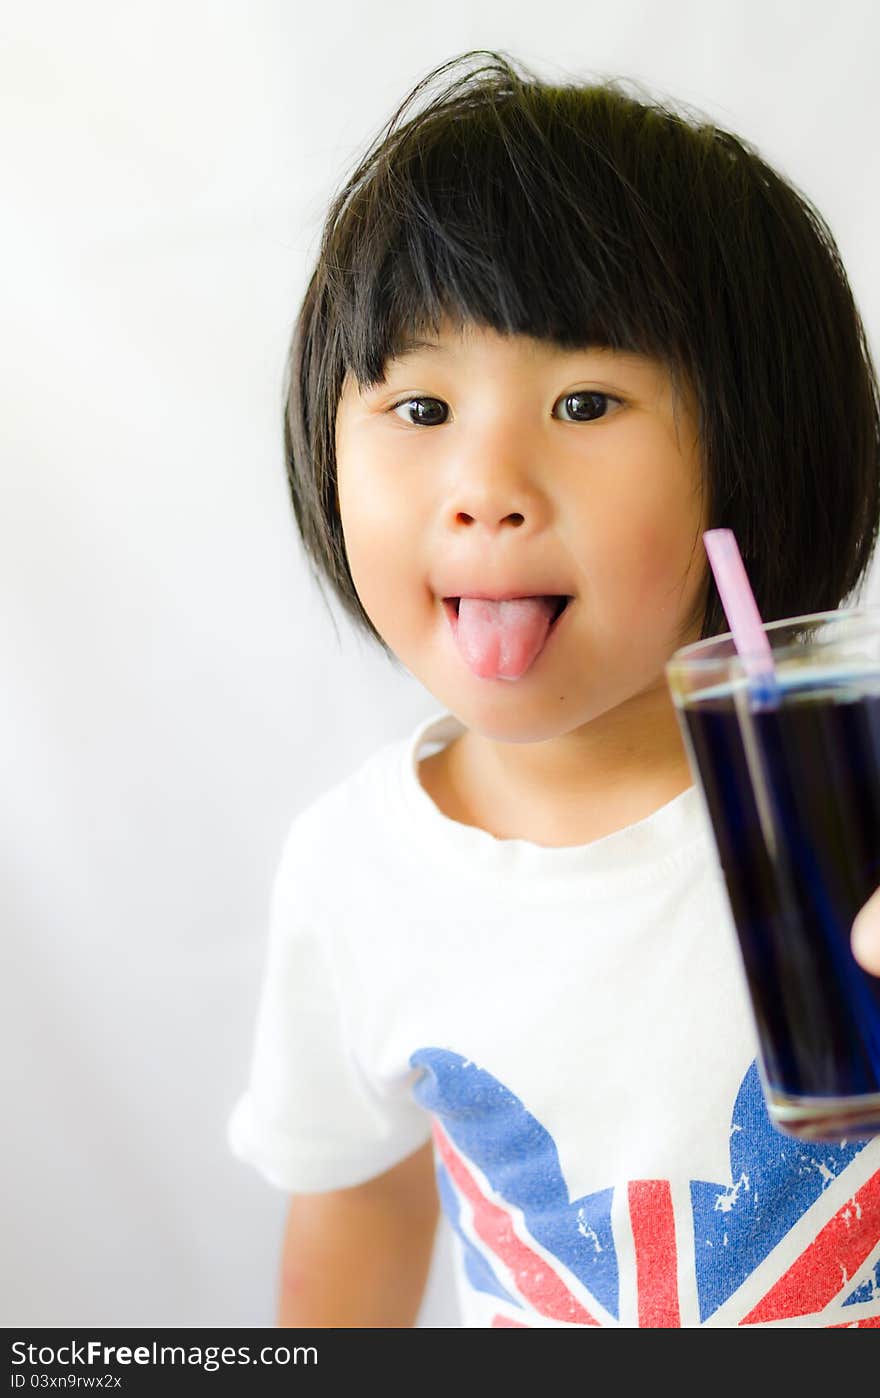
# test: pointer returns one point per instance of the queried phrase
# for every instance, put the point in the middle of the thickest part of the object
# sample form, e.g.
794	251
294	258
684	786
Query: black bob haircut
578	214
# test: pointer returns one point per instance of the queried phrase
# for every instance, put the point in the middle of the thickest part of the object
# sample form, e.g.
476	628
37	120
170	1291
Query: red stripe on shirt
836	1253
533	1276
653	1228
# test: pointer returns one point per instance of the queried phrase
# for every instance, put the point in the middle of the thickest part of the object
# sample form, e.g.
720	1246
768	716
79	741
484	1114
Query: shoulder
335	822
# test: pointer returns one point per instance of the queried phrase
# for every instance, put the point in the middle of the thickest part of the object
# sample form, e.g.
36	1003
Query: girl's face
524	469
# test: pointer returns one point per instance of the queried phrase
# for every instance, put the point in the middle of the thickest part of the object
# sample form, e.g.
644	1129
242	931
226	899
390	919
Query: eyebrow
409	346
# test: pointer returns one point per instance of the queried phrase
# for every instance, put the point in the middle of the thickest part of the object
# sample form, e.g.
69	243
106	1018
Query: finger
865	939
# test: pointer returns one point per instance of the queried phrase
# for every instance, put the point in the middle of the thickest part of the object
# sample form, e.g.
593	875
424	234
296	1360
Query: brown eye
586	406
424	412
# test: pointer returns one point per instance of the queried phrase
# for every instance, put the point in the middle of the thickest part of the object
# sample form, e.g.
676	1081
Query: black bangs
482	213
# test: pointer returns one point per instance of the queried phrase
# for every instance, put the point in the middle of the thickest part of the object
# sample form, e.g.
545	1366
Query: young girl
553	334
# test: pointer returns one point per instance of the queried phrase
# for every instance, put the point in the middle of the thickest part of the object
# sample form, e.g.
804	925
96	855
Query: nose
496	488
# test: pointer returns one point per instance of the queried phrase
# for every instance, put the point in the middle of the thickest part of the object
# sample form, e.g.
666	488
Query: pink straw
740	607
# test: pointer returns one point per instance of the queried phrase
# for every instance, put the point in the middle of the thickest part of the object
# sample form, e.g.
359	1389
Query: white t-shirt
570	1026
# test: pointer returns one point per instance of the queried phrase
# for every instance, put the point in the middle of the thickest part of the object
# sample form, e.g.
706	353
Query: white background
173	689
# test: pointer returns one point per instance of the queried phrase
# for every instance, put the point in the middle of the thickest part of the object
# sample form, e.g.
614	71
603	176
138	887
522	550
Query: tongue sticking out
499	640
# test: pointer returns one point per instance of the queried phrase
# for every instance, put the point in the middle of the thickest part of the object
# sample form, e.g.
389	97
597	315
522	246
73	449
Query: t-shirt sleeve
310	1119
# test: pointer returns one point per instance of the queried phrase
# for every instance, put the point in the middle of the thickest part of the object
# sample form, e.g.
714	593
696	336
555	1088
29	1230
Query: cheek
659	566
646	551
669	573
371	559
379	539
362	509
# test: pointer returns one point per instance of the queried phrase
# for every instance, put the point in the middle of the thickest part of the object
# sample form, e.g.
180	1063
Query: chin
512	718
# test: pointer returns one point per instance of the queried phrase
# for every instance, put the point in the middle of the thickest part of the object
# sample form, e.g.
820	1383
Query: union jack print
793	1238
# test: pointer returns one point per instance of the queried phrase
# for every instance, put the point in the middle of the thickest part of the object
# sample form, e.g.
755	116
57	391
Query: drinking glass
790	781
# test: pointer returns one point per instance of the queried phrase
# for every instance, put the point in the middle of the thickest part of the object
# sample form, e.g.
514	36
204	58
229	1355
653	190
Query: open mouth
560	603
501	638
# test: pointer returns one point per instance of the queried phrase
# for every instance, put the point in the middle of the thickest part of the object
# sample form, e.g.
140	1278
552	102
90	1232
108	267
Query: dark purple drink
795	810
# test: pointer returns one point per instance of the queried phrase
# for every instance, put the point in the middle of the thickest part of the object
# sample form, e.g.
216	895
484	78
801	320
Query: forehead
468	339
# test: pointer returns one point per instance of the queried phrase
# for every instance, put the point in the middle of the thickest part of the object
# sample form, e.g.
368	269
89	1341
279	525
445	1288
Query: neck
611	772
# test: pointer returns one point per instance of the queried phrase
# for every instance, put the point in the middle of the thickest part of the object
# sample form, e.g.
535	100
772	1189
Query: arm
360	1257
